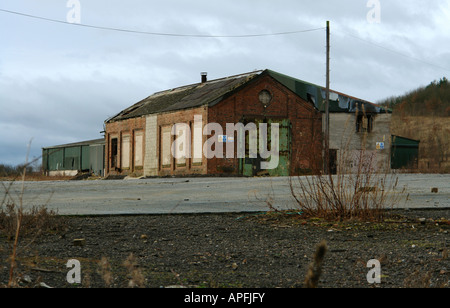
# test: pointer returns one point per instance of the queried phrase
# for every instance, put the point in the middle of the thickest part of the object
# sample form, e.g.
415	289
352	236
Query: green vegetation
432	100
424	114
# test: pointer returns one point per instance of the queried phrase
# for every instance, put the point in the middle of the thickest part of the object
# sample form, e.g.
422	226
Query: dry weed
315	268
136	277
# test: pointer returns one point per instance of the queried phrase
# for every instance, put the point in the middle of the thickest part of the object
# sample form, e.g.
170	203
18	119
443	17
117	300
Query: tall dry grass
17	223
364	189
315	268
365	194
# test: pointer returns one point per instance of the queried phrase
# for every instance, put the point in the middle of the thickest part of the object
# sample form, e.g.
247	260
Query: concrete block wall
349	143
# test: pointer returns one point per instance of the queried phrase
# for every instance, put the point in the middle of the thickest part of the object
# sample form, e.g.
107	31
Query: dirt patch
261	250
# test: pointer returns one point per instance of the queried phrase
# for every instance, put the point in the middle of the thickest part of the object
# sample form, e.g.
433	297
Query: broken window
364	123
181	143
114	152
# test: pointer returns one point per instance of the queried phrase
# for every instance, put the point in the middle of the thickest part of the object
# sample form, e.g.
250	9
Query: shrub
361	193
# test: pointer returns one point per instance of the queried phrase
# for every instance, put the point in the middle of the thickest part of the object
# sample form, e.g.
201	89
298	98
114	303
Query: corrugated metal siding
82	156
54	159
97	159
404	153
72	158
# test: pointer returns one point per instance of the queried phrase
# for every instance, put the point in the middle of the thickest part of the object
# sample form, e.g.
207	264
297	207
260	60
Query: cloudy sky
59	81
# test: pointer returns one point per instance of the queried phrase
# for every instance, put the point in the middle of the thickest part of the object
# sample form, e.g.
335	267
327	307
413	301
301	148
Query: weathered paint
252	166
348	143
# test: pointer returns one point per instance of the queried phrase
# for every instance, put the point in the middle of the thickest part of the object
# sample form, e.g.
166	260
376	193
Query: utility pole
327	108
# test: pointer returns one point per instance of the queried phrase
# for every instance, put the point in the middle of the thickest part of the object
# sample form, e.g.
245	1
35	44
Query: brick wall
167	120
245	105
118	130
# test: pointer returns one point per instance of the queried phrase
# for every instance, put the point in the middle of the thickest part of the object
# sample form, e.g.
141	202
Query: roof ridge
210	81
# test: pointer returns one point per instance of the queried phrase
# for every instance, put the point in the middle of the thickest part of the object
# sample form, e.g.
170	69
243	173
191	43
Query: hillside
434	135
424	114
432	100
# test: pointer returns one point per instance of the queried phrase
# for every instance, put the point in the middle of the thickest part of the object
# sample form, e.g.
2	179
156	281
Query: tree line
432	100
10	170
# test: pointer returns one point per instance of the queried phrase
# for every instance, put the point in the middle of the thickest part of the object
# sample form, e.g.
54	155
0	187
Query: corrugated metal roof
339	102
211	92
196	95
76	144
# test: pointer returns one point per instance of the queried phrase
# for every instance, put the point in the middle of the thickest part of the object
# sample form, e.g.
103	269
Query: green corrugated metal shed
404	153
85	156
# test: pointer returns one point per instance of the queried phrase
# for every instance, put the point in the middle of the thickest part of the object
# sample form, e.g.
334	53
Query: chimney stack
204	77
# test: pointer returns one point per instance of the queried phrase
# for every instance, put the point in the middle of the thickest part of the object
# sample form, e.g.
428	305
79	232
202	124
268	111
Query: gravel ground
264	250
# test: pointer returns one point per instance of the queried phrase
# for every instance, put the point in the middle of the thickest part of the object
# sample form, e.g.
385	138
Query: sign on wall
380	145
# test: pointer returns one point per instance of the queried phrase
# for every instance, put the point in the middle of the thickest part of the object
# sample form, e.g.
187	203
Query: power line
395	52
159	33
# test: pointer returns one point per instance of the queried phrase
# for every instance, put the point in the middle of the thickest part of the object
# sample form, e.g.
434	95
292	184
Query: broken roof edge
209	102
297	86
288	80
256	72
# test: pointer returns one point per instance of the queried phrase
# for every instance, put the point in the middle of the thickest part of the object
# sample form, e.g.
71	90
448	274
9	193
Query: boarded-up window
181	143
138	149
197	143
125	151
166	155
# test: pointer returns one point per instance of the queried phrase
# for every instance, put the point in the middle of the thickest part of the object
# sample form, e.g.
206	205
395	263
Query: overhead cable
394	51
159	33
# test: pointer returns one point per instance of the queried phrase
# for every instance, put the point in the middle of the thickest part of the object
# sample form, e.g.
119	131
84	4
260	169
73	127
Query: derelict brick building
139	139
